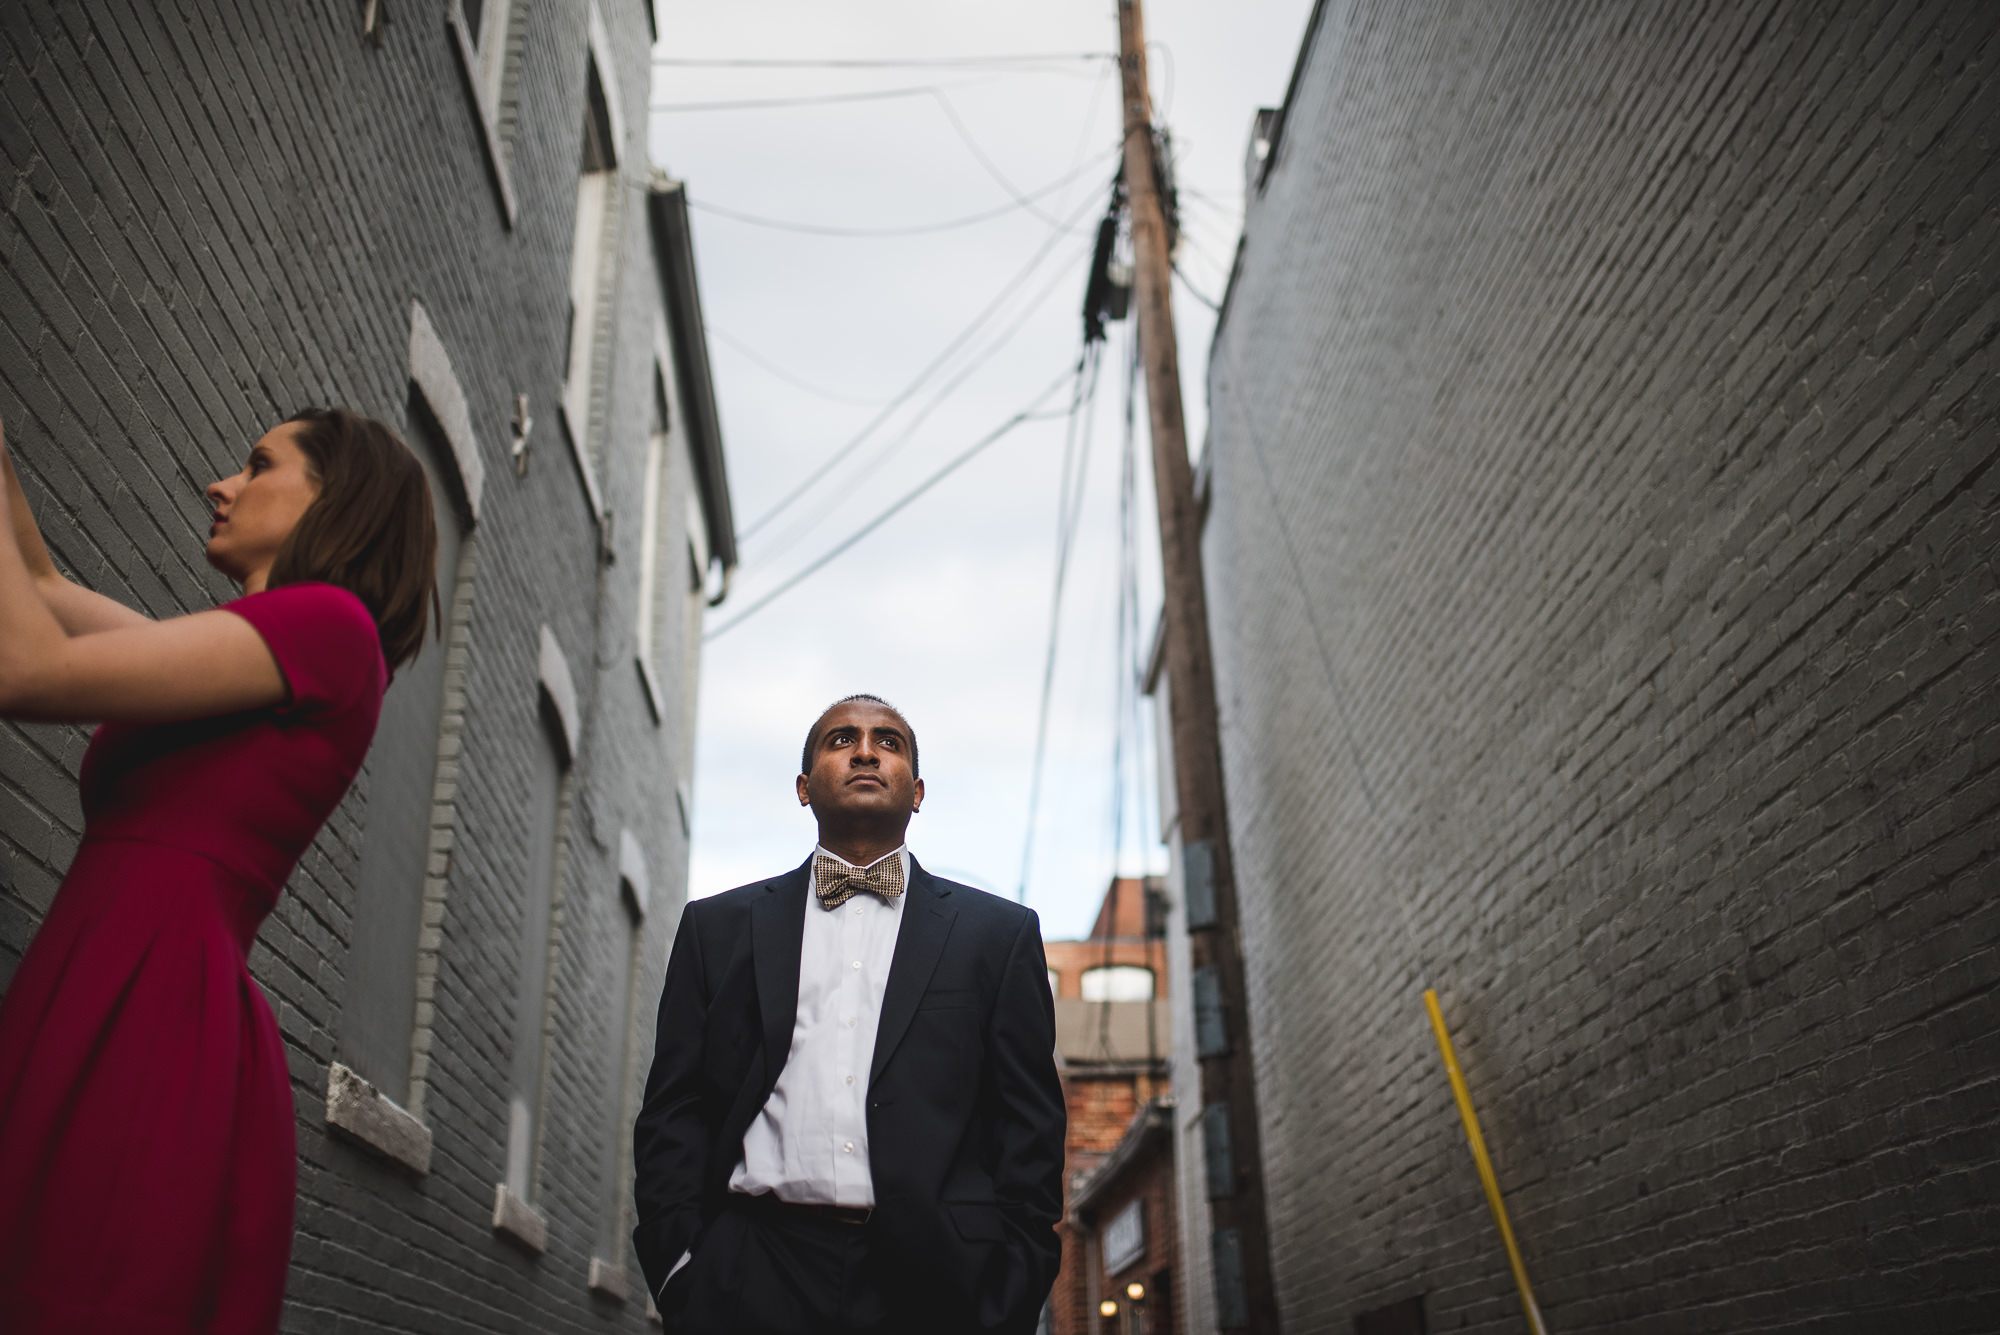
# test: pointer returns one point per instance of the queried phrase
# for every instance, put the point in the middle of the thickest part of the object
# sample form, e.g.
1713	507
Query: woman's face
257	509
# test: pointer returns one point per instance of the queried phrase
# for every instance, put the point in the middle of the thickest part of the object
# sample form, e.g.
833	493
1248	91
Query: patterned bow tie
834	882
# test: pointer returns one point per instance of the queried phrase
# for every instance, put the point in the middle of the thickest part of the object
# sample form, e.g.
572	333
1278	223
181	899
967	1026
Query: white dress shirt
809	1145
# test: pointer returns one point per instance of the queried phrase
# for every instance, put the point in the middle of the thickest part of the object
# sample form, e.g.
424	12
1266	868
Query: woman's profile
147	1165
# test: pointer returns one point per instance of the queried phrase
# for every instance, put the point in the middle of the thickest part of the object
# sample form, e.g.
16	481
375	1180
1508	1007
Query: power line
746	350
808	100
917	229
1187	285
1069	503
964	335
993	170
1026	414
914	62
980	360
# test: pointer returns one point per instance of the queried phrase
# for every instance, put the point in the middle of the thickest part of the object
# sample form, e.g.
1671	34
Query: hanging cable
958	341
890	448
913	62
808	99
1122	681
797	382
1027	414
1069	504
915	229
1187	286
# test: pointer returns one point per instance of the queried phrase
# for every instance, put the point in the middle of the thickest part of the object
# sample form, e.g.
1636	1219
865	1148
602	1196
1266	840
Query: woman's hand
132	668
76	609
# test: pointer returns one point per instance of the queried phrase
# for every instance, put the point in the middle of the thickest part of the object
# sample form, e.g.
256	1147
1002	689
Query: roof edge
673	248
1154	1122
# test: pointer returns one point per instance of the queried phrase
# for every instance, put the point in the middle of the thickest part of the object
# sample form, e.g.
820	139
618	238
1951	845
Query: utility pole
1239	1236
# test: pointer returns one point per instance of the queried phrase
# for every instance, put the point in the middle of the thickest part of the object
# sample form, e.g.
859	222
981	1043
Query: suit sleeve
670	1141
1028	1119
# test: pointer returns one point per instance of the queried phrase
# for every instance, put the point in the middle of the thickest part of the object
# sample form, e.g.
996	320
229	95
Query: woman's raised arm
77	610
195	666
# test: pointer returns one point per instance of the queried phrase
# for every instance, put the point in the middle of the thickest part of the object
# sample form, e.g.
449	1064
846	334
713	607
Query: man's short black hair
812	733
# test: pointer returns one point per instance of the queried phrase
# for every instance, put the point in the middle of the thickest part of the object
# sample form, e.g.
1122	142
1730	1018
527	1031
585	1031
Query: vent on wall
1398	1318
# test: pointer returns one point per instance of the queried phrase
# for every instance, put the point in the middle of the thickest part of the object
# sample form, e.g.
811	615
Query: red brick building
1113	1040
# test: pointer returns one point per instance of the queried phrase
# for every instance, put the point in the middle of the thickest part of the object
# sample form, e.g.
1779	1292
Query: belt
764	1203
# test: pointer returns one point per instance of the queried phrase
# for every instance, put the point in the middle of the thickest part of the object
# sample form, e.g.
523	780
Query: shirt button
850	1079
850	1022
857	910
848	1148
857	964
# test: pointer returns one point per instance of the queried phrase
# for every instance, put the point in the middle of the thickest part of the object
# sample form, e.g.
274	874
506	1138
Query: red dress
147	1165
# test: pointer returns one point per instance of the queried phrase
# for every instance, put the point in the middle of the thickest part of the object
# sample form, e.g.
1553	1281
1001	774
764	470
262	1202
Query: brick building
1112	1042
441	214
1600	545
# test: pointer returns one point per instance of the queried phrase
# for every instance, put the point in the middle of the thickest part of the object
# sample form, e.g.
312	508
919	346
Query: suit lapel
777	934
927	918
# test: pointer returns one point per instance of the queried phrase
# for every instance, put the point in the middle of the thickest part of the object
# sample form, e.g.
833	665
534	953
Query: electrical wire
1069	503
913	62
797	382
915	229
890	448
992	169
1027	414
1125	698
1187	285
809	99
908	391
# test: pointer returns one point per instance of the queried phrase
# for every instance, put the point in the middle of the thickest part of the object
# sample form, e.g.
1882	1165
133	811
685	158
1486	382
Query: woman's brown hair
371	529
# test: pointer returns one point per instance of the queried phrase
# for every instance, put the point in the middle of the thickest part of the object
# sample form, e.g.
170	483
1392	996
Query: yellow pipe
1486	1178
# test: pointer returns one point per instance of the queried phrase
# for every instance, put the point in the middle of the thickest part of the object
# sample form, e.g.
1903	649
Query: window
486	23
1124	1237
543	812
647	621
592	267
1118	982
622	1034
379	1013
547	815
487	34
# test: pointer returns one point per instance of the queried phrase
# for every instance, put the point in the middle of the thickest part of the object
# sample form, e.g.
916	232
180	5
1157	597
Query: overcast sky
943	609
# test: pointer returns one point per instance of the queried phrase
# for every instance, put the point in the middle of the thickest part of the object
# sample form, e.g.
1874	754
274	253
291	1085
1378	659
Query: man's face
861	767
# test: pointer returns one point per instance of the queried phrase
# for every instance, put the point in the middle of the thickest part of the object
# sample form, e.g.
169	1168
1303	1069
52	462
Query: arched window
1118	982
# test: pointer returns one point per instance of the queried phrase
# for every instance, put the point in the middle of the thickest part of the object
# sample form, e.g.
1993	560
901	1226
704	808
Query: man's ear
800	784
917	801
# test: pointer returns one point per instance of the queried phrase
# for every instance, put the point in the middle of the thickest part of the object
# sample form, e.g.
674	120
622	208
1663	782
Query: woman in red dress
147	1166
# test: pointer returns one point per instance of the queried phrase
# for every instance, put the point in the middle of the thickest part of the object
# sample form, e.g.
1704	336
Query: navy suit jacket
965	1113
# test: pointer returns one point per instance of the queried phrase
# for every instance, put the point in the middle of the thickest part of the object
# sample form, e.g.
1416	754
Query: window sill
362	1114
574	426
468	65
609	1281
518	1221
650	682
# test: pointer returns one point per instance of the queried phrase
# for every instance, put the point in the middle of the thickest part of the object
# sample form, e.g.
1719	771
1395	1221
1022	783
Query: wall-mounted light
1107	1308
1135	1291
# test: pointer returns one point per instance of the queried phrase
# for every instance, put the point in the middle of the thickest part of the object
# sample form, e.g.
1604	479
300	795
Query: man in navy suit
853	1122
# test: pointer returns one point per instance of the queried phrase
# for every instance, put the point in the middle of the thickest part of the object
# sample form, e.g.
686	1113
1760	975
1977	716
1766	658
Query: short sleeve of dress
324	640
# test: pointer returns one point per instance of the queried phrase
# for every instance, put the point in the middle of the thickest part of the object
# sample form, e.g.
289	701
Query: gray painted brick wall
214	215
1602	564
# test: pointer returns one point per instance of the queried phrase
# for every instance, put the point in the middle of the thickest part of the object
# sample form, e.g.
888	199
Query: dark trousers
766	1268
